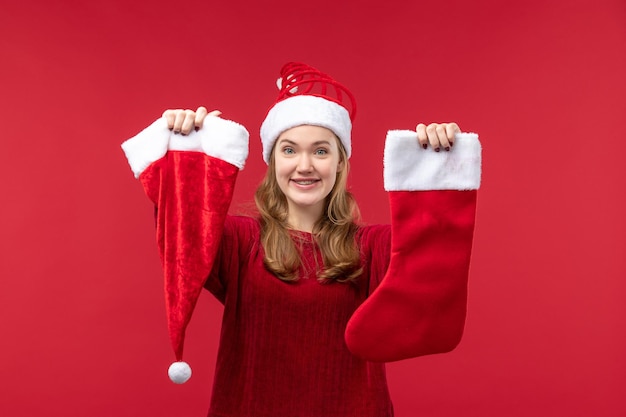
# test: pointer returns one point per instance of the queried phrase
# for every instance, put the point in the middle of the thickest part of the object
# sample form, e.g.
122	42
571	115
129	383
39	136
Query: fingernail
451	144
424	146
447	148
437	149
197	128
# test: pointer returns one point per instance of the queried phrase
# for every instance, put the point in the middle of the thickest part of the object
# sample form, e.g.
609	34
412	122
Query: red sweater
282	350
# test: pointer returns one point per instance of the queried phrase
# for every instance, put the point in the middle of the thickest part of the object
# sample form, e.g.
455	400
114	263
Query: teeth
305	182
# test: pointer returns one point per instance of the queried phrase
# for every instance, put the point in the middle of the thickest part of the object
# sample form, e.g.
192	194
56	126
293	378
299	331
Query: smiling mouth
305	182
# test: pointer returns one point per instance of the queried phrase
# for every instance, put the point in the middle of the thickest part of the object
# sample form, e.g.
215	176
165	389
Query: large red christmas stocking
420	306
190	179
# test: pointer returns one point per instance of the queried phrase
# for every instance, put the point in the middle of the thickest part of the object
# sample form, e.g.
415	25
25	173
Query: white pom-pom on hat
179	372
279	84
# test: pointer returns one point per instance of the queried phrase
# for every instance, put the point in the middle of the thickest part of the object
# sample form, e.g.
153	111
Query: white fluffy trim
305	110
408	167
147	146
219	138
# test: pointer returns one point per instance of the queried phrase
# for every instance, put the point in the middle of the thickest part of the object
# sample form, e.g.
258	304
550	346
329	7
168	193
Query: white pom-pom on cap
179	372
279	84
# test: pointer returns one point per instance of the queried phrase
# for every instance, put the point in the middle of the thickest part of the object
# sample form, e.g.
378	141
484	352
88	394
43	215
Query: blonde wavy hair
334	232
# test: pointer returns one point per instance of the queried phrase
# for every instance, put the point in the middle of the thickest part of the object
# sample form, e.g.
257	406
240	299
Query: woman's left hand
437	135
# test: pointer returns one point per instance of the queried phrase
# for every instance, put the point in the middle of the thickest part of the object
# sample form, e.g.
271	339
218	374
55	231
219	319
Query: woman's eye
288	151
321	152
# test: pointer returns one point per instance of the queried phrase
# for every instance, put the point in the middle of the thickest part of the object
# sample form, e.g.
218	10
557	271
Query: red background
81	304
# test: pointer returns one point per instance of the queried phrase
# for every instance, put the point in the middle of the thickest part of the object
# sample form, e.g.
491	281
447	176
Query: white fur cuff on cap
147	146
224	139
305	110
408	167
219	138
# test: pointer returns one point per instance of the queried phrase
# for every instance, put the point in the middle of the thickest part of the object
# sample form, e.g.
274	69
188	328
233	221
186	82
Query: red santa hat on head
307	96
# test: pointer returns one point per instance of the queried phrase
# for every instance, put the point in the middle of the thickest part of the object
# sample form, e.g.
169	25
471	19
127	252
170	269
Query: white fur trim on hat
219	138
305	110
408	167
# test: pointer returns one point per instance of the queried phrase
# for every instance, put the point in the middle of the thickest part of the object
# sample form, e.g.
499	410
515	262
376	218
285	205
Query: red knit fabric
282	350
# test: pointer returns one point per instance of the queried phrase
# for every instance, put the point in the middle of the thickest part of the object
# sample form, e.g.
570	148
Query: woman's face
307	160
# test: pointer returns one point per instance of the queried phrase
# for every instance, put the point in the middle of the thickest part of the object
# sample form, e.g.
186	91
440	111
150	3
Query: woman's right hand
183	121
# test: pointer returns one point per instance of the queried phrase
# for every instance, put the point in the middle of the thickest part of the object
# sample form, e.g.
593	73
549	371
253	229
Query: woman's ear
342	154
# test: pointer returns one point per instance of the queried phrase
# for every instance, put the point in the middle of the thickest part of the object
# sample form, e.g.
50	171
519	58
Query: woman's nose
304	163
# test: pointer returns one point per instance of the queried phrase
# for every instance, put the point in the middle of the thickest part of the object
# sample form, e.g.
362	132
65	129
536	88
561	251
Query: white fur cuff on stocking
408	167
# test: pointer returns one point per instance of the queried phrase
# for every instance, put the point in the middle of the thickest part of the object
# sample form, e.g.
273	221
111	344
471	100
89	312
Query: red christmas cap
191	179
308	96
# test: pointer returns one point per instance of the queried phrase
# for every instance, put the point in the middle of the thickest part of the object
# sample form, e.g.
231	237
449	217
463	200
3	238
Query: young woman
314	302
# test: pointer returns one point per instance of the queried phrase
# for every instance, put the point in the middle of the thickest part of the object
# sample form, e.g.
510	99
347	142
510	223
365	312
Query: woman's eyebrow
288	141
317	143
